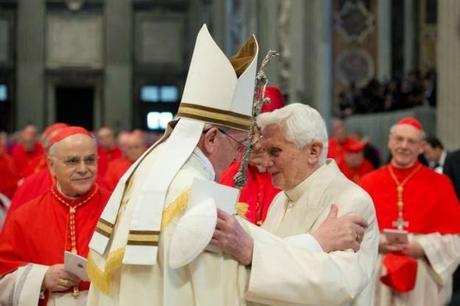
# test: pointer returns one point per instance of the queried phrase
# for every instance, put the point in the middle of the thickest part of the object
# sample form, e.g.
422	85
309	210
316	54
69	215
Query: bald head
106	138
339	130
135	145
73	162
29	136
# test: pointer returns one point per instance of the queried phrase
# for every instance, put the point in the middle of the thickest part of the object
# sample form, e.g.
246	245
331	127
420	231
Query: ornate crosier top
259	99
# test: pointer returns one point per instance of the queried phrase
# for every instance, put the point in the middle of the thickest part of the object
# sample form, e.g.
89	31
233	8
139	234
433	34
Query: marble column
323	98
448	63
30	93
219	22
118	105
305	38
384	39
409	35
268	35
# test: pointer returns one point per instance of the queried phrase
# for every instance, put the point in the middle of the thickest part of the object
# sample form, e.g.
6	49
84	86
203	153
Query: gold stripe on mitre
214	115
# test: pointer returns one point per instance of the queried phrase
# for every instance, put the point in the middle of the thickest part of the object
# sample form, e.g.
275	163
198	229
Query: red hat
52	128
353	146
401	272
411	121
68	131
276	99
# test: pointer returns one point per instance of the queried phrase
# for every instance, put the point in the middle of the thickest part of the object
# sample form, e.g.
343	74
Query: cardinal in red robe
39	163
41	181
413	198
338	141
133	147
354	165
107	149
27	152
8	173
34	239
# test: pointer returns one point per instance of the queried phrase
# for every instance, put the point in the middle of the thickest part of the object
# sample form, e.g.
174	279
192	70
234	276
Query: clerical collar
295	193
199	157
72	202
403	172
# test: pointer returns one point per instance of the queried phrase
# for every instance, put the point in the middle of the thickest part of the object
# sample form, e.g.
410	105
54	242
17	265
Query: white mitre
219	91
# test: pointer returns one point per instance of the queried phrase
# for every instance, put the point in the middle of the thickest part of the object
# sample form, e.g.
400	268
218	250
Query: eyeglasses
400	139
75	161
241	144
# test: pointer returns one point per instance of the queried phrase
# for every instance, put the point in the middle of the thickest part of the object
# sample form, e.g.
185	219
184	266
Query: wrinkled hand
387	247
57	279
414	249
340	233
230	238
259	159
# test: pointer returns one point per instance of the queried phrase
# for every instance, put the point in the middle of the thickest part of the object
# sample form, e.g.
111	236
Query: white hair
395	126
301	124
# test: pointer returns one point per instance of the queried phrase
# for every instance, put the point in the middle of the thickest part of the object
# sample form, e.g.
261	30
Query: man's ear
314	151
51	165
209	141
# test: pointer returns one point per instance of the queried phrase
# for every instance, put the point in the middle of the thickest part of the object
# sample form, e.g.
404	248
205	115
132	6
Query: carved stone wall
74	39
160	40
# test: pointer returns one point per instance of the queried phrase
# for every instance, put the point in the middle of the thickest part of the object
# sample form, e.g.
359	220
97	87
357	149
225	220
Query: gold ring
359	238
64	282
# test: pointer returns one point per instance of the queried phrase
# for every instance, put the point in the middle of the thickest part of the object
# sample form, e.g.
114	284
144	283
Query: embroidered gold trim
102	278
102	232
214	115
103	228
242	209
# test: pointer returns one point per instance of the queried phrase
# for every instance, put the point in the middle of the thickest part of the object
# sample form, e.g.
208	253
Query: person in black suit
452	169
435	154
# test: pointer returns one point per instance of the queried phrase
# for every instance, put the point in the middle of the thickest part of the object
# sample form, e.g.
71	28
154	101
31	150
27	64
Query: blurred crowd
413	90
23	158
356	155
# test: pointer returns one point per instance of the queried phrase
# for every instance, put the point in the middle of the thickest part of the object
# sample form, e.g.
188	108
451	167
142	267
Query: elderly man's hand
386	246
57	279
414	249
340	233
230	238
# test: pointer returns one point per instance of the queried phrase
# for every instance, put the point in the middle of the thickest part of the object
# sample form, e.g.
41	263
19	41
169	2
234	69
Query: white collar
442	159
199	156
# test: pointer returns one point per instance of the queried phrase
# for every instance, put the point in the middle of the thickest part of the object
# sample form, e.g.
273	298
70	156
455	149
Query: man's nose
267	162
82	166
405	143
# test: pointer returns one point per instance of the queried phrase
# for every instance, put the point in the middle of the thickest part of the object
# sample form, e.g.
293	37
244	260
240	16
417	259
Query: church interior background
123	63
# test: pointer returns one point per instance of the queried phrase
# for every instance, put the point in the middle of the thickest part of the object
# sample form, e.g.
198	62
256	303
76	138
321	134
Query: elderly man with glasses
422	206
35	236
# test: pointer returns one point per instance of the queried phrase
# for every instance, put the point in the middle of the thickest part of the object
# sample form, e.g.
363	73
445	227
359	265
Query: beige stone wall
448	110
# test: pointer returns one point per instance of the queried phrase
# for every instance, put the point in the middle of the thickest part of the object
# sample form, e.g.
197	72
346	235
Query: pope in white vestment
130	260
285	273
